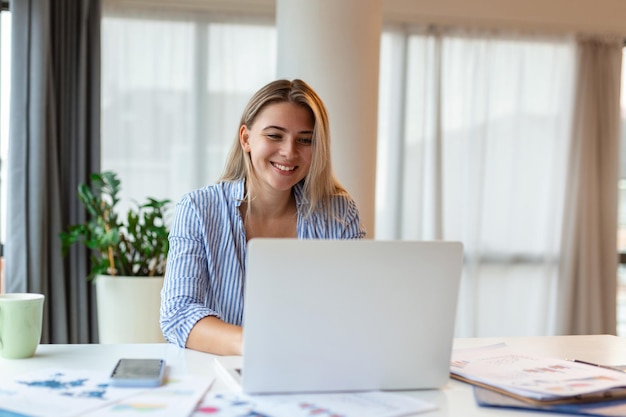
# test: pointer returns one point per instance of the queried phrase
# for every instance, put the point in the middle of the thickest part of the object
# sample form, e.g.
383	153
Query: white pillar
334	46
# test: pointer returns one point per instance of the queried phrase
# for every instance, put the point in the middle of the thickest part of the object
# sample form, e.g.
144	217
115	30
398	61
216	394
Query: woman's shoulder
339	205
338	202
337	218
343	202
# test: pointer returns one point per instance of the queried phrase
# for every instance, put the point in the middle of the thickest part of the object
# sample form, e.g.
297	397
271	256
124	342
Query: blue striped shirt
205	271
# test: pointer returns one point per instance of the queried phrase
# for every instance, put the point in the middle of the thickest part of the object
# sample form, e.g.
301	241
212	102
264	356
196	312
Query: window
172	94
473	143
173	90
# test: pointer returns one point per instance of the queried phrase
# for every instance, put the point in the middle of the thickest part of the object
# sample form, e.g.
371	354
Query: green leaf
137	247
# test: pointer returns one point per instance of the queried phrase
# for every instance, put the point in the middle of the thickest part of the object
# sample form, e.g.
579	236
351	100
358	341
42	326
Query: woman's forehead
284	114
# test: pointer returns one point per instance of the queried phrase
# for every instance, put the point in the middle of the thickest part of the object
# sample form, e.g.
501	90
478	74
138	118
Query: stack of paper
489	398
533	379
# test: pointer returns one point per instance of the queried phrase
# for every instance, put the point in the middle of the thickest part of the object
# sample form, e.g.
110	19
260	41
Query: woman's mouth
283	168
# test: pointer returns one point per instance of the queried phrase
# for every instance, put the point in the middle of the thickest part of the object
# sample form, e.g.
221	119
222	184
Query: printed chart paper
177	397
364	404
70	393
59	392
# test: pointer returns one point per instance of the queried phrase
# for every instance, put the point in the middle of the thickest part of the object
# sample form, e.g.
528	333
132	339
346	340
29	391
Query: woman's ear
244	135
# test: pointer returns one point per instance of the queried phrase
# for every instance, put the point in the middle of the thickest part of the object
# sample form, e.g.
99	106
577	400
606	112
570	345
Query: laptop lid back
349	315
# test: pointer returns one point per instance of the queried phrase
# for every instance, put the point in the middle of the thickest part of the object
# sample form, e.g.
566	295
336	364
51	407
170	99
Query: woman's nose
288	148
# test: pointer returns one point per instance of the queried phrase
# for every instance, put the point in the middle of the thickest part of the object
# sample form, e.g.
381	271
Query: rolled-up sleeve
204	273
185	286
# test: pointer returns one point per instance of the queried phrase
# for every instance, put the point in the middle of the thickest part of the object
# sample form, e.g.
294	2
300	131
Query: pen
614	368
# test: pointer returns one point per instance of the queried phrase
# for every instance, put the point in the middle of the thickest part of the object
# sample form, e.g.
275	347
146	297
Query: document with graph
536	379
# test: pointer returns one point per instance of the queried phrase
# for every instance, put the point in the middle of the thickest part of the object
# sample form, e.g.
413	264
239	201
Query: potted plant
127	261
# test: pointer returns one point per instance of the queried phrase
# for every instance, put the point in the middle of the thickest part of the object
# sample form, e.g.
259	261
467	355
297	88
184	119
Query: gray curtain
54	145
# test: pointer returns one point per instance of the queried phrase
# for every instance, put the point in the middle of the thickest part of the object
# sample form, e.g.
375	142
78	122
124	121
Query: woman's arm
201	294
212	335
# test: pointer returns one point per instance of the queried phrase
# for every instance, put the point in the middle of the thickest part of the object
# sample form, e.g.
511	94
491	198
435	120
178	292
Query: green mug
21	316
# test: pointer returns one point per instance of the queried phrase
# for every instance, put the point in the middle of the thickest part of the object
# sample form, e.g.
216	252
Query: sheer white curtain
173	89
473	146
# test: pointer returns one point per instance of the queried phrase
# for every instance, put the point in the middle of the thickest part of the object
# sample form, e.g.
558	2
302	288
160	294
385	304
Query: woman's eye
305	141
274	136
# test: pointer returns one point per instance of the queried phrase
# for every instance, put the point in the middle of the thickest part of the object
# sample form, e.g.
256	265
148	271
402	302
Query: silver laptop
348	315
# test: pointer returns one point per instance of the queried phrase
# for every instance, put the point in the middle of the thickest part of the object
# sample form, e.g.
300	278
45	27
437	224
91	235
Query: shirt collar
298	192
238	191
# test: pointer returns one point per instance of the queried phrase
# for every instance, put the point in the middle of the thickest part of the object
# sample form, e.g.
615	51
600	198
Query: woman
278	182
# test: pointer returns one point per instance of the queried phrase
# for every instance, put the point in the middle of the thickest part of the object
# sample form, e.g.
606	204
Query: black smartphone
138	373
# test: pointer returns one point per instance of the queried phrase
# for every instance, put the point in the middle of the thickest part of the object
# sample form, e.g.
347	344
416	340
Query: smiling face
280	145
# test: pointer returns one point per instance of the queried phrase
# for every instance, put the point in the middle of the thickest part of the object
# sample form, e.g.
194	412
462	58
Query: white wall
588	16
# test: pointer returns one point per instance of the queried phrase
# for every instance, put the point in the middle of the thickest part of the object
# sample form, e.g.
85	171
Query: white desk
455	400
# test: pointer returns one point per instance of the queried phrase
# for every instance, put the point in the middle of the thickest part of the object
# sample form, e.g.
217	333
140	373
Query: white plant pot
128	309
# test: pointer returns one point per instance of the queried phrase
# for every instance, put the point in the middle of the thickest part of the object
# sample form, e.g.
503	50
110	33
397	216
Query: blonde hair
320	183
